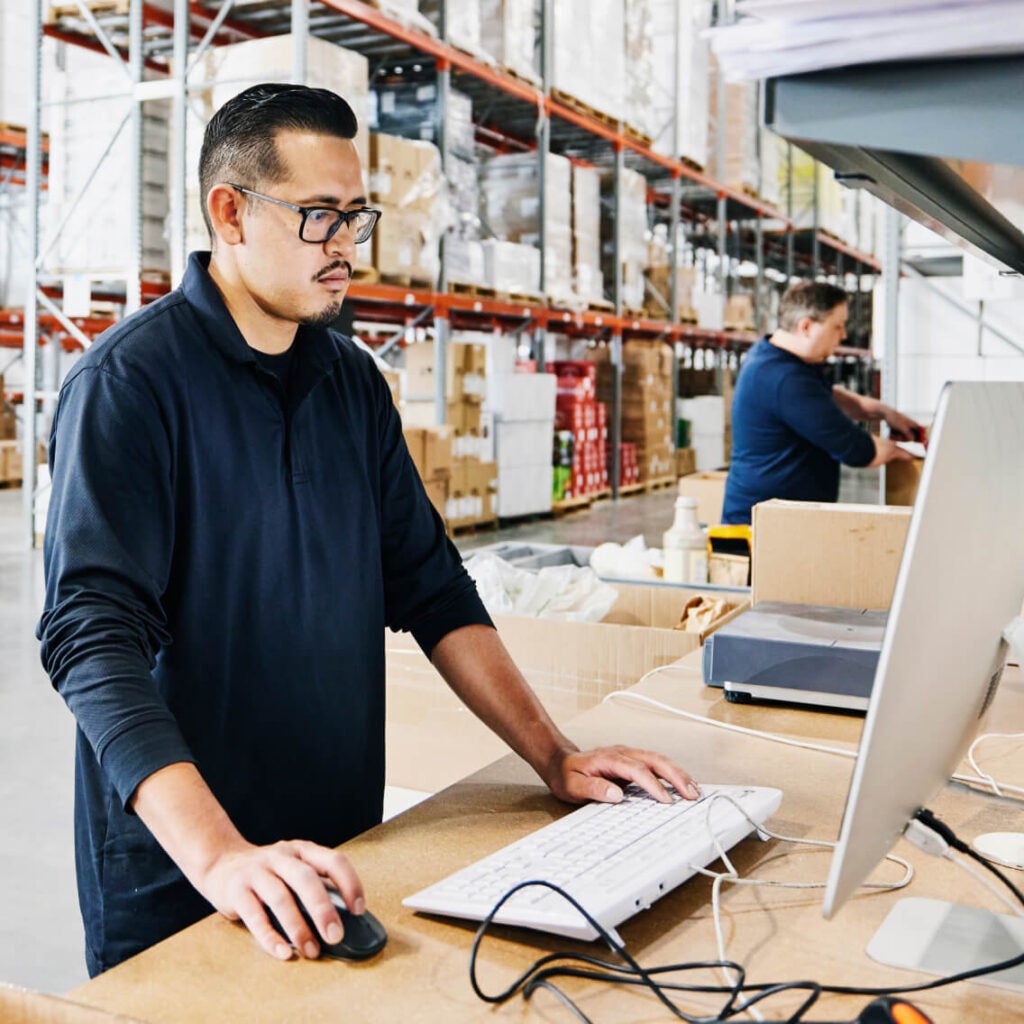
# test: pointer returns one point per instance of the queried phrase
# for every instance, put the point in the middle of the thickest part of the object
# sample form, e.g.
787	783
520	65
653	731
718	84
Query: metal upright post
815	244
759	280
891	286
790	256
544	138
615	434
441	326
675	222
444	84
33	184
133	284
179	163
300	34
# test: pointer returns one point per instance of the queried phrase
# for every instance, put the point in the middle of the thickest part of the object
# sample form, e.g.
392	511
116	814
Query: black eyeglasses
320	223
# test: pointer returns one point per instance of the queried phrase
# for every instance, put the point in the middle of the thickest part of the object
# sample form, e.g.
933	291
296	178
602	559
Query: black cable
553	965
561	965
937	825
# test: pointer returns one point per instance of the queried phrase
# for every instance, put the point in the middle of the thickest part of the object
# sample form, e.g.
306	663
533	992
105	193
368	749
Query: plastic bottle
685	546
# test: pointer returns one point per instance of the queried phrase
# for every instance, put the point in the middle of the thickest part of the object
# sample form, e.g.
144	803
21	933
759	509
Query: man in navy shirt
791	429
235	519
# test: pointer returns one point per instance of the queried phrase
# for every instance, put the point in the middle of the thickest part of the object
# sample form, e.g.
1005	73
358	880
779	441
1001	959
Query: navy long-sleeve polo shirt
222	559
788	434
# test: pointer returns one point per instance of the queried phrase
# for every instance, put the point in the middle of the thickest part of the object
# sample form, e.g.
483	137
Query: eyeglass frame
344	216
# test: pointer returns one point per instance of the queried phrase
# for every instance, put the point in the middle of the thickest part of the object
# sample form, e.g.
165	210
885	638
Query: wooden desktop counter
214	972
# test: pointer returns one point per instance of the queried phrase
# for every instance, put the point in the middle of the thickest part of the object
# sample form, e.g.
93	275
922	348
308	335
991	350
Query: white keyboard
615	859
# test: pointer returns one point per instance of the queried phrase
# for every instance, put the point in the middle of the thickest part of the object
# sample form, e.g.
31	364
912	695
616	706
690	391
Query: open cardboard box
809	552
590	659
20	1006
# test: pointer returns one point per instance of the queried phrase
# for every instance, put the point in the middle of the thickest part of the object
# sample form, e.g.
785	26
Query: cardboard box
20	1006
593	658
686	461
901	481
709	490
846	556
431	450
437	492
404	173
394	386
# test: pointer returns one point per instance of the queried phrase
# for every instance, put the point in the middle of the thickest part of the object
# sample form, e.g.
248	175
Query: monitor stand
947	938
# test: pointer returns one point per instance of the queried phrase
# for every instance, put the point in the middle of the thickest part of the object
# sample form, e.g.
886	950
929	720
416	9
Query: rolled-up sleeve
808	408
108	546
426	588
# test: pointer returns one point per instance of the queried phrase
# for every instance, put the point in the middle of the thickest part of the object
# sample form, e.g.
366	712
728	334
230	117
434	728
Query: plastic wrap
509	33
510	208
566	592
680	107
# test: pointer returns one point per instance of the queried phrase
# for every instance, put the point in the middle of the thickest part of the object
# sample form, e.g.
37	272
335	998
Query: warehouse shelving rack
151	40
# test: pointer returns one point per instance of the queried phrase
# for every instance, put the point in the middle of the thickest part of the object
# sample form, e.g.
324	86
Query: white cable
982	779
668	709
974	764
978	876
732	876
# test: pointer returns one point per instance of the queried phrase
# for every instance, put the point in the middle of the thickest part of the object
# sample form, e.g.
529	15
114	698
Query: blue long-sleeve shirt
788	434
222	559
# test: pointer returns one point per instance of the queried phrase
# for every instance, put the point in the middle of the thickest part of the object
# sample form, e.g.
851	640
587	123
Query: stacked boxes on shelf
579	414
586	233
629	465
463	251
509	206
409	108
740	126
638	102
471	496
658	272
96	237
646	403
431	451
588	54
680	103
508	32
405	182
524	420
632	211
706	415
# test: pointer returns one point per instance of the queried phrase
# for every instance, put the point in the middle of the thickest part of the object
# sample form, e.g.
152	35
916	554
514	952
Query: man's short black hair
239	142
815	299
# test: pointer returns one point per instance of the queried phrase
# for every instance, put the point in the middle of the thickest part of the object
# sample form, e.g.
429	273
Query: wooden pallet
567	505
637	136
407	281
365	275
600	306
473	291
585	109
57	12
533	81
461	527
691	163
631	313
625	490
524	298
658	482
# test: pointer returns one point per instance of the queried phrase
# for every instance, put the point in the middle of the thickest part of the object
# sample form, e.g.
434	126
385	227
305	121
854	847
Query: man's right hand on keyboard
578	776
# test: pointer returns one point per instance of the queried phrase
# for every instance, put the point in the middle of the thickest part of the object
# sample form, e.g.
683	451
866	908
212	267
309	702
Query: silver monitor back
960	583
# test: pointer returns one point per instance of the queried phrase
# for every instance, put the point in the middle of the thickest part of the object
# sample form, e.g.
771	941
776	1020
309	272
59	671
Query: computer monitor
960	585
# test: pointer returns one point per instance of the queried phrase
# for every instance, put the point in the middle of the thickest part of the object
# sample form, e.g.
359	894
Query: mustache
336	265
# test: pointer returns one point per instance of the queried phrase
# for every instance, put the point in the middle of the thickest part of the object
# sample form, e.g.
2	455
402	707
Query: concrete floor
41	943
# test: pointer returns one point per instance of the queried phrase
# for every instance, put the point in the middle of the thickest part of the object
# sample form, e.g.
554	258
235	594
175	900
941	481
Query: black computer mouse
364	935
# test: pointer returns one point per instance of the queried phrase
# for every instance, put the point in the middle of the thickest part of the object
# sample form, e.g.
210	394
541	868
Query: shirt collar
202	294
